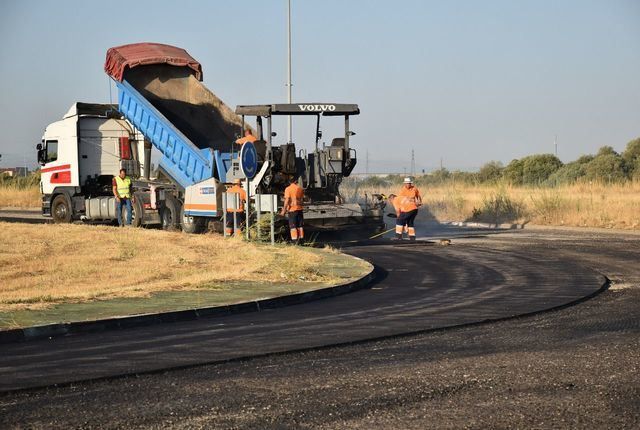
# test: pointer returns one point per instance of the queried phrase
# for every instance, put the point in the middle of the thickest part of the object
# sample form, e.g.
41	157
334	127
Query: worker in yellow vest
293	196
240	215
121	185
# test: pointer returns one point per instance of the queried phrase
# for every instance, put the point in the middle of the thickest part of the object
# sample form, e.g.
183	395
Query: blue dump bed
182	160
161	94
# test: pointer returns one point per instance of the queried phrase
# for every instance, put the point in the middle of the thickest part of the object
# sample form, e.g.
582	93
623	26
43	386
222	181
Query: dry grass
580	205
43	265
12	196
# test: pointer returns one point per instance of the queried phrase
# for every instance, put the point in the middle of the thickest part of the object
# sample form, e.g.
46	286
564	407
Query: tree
606	150
568	174
584	159
537	168
490	172
606	167
513	172
631	157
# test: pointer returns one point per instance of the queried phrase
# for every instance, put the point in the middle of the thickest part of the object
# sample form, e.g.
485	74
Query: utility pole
555	144
413	163
289	126
440	163
366	164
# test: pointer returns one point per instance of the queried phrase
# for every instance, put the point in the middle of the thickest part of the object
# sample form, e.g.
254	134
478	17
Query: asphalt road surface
574	367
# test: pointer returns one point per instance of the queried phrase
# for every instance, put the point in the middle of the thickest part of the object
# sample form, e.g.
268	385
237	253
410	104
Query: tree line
606	166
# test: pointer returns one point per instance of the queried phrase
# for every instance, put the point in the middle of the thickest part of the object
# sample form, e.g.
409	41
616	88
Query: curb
50	331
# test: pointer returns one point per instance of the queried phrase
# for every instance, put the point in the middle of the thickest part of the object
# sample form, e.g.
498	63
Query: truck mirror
39	146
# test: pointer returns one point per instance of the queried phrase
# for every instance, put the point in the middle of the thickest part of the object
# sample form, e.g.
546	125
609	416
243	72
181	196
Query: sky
458	82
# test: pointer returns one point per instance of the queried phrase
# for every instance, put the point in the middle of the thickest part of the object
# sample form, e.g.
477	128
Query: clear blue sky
465	81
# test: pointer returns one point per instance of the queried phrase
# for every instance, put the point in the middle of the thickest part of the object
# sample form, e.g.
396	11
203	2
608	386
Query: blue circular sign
248	160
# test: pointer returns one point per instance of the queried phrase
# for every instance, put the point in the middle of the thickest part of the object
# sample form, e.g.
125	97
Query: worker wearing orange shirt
240	215
395	203
248	137
407	201
293	196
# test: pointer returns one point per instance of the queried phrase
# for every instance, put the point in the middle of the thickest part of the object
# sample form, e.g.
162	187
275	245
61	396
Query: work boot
398	237
412	238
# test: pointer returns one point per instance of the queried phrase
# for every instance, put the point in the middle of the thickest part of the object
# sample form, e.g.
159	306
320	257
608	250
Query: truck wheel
193	224
60	210
138	213
170	214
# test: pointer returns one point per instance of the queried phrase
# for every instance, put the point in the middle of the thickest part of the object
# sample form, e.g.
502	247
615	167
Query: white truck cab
80	155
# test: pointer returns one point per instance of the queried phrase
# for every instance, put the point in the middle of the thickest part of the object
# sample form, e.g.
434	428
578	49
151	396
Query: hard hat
408	180
236	181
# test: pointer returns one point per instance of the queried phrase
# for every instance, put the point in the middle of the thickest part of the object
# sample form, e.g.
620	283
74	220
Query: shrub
513	172
631	157
547	206
536	169
606	150
567	174
606	167
498	207
490	172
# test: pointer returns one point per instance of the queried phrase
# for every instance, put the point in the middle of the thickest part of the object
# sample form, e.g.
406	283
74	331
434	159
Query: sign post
249	168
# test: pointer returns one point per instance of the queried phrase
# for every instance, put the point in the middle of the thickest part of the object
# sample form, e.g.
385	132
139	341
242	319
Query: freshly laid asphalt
420	287
573	367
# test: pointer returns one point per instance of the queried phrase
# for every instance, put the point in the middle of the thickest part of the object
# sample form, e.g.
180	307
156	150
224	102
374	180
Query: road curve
420	287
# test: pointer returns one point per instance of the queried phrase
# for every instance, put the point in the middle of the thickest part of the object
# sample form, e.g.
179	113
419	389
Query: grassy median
46	265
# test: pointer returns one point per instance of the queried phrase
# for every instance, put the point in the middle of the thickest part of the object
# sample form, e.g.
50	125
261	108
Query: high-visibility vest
295	194
408	197
123	186
251	138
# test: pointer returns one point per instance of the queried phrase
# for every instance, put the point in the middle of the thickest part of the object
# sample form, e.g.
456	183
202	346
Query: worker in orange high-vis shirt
248	137
293	196
239	211
395	203
408	201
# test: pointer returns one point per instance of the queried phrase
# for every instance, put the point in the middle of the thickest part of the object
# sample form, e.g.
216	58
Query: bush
631	157
606	167
547	206
497	208
536	169
606	150
567	174
513	172
490	172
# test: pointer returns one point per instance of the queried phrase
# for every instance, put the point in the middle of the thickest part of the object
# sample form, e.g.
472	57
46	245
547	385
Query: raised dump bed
161	93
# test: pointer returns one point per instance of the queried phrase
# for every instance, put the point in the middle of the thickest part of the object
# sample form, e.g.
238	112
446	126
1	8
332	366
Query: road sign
248	160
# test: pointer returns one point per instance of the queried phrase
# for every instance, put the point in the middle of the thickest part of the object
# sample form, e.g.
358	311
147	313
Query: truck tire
61	210
193	224
170	213
138	213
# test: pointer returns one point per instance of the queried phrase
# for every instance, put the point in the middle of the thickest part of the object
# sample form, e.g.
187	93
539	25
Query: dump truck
163	104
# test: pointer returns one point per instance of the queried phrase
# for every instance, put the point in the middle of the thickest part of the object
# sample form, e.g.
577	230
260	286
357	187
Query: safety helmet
408	180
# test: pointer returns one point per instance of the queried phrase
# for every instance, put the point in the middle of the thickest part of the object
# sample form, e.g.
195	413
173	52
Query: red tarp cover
122	57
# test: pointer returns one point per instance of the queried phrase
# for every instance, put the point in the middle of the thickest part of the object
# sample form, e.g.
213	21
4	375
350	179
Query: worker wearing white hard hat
408	202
